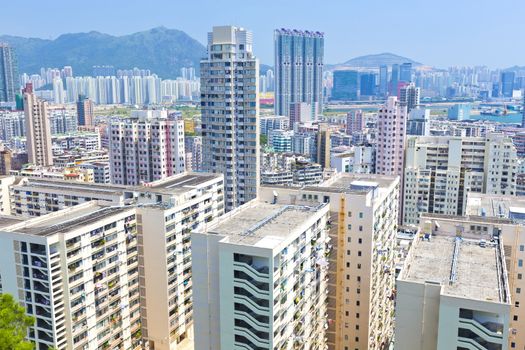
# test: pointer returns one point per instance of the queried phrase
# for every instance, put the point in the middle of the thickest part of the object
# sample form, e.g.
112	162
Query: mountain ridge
163	51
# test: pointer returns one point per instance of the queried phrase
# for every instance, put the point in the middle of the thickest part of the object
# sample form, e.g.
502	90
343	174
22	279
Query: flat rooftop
351	183
176	184
474	272
493	206
262	224
65	220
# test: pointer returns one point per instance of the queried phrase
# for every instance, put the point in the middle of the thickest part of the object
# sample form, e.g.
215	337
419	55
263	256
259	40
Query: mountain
164	51
374	61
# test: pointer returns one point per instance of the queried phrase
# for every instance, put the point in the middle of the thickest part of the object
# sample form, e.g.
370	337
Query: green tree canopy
13	324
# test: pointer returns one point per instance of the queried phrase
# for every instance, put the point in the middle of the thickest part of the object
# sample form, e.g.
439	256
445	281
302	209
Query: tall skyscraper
230	112
409	95
85	111
391	131
367	83
146	148
405	72
394	80
9	83
298	69
346	85
383	80
507	83
38	131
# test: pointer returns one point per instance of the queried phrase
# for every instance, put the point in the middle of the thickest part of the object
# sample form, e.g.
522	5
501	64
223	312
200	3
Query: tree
13	324
263	139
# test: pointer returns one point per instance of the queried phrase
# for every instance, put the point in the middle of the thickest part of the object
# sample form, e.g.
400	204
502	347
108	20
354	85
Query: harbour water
511	118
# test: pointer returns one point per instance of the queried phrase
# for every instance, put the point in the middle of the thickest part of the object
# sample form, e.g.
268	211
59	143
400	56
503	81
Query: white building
261	277
146	149
453	293
230	112
440	171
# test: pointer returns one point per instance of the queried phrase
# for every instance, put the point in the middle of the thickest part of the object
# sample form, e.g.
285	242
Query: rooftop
463	267
176	184
262	224
493	206
65	220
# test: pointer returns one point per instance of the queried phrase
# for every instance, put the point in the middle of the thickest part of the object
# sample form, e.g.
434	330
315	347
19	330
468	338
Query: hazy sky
436	32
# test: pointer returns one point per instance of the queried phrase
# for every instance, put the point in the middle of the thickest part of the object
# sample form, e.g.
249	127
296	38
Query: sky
440	33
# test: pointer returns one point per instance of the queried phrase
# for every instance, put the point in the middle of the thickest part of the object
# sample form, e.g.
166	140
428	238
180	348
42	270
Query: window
520	276
515	318
360	240
348	264
357	303
358	253
358	266
357	339
520	262
358	278
359	290
349	227
360	215
522	248
349	214
360	228
517	304
518	290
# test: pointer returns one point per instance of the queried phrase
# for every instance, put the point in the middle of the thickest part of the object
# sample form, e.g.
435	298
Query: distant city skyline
440	33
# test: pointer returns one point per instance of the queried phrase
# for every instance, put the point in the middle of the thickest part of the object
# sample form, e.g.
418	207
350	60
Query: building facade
9	82
38	131
363	220
299	57
147	149
441	171
274	257
391	134
230	113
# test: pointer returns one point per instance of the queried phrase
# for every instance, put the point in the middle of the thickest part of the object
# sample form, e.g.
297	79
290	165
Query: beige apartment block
363	220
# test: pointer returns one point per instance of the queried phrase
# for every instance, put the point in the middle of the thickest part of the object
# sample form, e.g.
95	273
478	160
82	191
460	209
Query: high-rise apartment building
230	113
38	132
323	145
391	133
490	217
440	171
260	276
299	57
85	111
354	122
9	82
193	148
76	272
184	203
166	212
453	293
363	221
409	95
146	148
